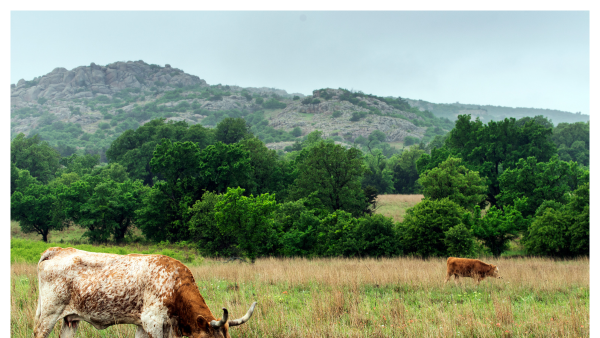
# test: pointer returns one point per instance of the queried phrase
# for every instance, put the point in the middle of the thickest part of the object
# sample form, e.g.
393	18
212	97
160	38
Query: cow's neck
191	304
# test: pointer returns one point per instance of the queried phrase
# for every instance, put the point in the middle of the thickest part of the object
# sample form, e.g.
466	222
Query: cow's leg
46	322
448	275
153	320
140	333
456	280
68	328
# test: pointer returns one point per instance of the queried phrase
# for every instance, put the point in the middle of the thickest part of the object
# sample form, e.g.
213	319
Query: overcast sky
515	59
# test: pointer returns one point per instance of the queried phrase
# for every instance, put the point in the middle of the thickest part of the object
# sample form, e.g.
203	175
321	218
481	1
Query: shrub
259	100
336	114
296	97
274	104
296	132
103	125
423	231
410	140
459	241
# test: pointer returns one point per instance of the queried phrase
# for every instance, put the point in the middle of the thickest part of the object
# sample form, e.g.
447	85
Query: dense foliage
223	192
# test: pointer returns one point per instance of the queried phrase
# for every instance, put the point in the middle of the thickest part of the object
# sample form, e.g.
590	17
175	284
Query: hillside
87	107
487	112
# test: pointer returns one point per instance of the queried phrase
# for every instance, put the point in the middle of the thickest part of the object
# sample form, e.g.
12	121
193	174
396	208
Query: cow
466	267
155	292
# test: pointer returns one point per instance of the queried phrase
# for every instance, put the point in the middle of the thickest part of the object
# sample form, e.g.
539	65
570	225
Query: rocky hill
89	106
103	101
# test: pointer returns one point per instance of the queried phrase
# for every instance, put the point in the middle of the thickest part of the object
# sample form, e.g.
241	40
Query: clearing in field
397	297
395	206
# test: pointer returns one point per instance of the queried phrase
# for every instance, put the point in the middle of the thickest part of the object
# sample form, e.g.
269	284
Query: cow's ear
202	322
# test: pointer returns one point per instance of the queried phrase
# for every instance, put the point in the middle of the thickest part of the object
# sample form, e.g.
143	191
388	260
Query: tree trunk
44	236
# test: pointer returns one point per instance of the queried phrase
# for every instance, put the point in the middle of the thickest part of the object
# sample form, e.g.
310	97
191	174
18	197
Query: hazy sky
516	59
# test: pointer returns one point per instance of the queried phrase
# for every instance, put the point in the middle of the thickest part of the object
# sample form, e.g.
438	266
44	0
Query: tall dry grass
400	297
395	205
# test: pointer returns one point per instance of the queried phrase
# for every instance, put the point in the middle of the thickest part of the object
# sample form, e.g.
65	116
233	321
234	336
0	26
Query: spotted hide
466	267
157	293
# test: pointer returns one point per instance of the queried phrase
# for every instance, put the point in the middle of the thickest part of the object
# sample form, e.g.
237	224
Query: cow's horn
243	319
221	322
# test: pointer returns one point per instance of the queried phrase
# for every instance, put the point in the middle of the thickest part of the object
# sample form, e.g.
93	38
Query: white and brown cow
467	267
157	293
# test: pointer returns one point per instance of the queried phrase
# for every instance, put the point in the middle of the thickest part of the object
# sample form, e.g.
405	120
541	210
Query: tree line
222	191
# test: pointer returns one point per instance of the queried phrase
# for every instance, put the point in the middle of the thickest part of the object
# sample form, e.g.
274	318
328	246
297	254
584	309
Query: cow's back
102	286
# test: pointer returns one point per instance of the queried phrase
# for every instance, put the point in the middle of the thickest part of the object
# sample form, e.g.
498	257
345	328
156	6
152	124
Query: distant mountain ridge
89	106
487	113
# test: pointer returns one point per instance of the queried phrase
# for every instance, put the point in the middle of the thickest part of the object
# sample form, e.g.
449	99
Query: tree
36	156
379	175
423	231
79	164
561	229
296	132
334	174
539	182
454	181
489	149
250	220
231	130
377	236
268	174
36	208
498	227
404	170
459	240
134	148
573	142
224	165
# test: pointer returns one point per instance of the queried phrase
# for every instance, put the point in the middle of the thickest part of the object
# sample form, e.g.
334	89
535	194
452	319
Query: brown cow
466	267
157	293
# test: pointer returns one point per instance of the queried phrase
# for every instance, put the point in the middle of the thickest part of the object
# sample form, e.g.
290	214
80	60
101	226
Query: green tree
379	175
561	229
134	148
268	174
489	149
454	181
573	142
377	236
459	240
404	170
498	227
231	130
334	173
423	231
337	235
539	182
34	155
225	165
250	220
296	132
37	210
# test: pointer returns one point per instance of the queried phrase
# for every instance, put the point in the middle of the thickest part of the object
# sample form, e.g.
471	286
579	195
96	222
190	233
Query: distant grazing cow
466	267
157	293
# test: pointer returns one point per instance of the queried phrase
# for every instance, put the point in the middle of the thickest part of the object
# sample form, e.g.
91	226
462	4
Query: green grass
28	251
400	297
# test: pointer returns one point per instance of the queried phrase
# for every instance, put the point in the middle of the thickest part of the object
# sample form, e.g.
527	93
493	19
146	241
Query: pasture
395	206
397	297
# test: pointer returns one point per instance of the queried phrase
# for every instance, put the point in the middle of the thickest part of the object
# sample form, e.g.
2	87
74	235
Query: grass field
395	206
398	297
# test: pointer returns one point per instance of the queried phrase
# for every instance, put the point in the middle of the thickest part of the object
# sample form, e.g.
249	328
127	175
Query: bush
296	97
460	241
307	100
410	140
274	104
336	114
423	231
296	132
103	125
259	100
357	116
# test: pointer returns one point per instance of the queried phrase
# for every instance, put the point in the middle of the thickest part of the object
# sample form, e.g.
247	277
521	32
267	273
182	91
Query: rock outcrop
88	81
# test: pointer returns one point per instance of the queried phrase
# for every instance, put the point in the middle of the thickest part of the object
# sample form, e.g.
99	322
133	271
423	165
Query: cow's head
494	272
219	328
